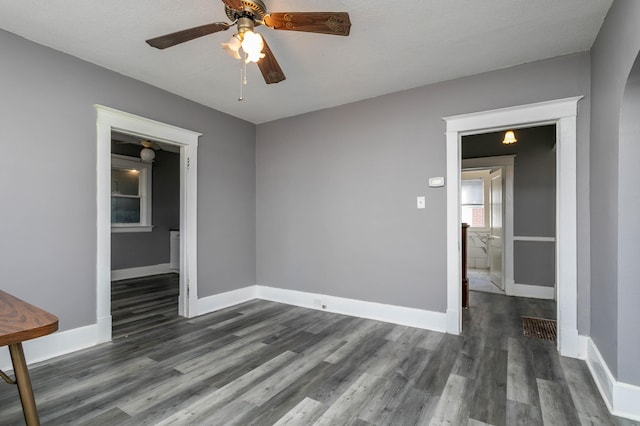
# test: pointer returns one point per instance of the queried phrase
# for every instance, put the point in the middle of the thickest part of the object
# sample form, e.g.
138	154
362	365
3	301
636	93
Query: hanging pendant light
509	138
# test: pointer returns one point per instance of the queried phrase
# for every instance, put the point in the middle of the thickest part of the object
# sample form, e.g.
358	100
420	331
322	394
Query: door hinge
188	162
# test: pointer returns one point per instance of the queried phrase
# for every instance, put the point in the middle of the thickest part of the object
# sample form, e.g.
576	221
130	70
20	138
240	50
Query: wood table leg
24	385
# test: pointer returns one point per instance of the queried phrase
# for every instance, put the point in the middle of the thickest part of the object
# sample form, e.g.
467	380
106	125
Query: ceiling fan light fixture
147	155
233	46
509	138
252	44
247	14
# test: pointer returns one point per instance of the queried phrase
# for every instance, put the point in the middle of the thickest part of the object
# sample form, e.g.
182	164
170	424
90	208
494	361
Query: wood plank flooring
140	304
264	363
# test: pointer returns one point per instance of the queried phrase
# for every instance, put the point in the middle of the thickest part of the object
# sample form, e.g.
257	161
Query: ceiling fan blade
233	4
269	67
336	23
178	37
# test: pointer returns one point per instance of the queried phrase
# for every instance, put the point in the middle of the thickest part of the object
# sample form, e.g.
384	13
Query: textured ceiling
393	45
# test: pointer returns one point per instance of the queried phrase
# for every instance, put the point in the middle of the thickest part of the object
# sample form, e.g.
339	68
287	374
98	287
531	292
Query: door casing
563	113
109	119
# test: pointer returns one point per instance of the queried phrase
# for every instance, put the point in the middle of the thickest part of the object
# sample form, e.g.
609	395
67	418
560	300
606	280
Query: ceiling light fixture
147	154
252	44
249	41
509	138
233	46
247	14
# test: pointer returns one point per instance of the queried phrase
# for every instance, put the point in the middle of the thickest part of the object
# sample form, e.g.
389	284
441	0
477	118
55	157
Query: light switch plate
436	182
421	202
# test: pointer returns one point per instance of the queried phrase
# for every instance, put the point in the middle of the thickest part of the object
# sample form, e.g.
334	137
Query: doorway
562	113
482	201
145	215
480	238
514	241
109	120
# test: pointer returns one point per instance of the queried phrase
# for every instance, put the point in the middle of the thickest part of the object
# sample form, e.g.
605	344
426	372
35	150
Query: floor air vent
539	328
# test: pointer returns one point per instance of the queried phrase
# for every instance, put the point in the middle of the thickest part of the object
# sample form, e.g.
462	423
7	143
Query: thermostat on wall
436	182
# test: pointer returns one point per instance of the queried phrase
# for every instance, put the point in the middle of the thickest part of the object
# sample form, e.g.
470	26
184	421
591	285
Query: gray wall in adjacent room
534	196
48	244
534	263
336	189
629	206
614	316
135	249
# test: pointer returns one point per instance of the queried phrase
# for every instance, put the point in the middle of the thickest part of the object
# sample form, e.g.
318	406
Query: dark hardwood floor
264	363
140	304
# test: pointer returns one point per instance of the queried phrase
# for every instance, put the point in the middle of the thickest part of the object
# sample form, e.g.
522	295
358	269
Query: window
474	198
130	194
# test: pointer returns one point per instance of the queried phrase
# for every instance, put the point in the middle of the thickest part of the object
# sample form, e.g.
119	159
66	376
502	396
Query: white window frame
144	191
484	176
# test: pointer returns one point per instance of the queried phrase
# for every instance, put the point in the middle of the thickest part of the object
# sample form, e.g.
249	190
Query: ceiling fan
247	14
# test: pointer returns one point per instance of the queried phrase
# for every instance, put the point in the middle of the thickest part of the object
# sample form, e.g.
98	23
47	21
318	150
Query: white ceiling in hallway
393	45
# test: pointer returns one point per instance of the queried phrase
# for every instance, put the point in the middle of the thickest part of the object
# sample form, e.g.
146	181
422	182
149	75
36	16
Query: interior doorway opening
145	233
511	240
481	208
186	141
562	113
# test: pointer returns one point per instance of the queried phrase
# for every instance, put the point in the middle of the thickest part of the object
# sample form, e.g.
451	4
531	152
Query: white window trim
484	176
125	162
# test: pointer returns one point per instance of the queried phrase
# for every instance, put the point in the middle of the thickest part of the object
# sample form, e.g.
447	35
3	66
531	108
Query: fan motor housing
255	8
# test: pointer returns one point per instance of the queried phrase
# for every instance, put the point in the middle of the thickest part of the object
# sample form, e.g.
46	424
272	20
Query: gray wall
534	263
534	196
629	207
48	136
336	189
614	308
135	249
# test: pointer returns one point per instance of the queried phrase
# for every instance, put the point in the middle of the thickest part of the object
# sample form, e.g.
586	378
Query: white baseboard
532	291
53	345
142	271
216	302
358	308
621	398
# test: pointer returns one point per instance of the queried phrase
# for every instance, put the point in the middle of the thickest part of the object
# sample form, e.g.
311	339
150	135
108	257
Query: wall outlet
421	202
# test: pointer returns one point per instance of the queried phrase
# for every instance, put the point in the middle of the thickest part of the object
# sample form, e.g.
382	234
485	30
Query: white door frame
109	120
562	113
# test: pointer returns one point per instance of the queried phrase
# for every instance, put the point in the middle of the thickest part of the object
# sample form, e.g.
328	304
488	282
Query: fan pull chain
243	77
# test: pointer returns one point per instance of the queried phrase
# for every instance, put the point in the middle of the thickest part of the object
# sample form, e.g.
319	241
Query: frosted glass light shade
233	46
252	44
147	155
